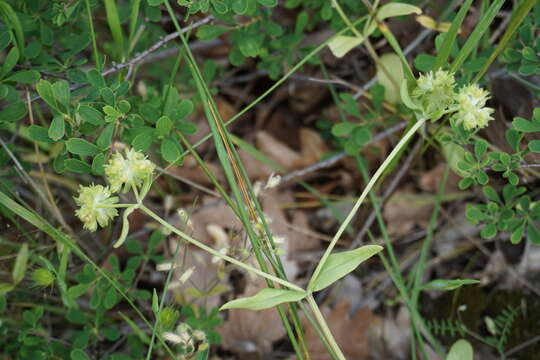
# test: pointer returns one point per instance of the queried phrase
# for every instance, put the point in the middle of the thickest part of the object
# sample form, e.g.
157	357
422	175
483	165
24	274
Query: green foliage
522	56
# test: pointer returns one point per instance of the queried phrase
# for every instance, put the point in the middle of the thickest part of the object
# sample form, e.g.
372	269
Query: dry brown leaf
192	171
404	210
351	334
277	150
255	168
247	331
214	212
430	181
313	146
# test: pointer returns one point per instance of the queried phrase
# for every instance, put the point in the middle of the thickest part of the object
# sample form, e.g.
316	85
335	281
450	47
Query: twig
331	161
133	61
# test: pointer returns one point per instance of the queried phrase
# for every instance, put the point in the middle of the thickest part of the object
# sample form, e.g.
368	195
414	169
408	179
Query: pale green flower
94	201
128	171
434	92
43	277
471	110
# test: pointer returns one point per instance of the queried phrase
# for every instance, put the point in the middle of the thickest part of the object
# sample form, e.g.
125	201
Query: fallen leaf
406	209
277	151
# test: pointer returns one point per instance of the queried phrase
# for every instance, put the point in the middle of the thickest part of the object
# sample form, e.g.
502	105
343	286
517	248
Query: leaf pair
335	267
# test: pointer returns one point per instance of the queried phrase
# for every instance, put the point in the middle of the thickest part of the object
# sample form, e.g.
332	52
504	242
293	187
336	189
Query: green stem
94	43
217	253
324	327
362	197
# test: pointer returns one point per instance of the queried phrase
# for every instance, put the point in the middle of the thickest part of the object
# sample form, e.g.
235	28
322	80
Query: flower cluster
435	94
471	107
97	203
129	171
94	202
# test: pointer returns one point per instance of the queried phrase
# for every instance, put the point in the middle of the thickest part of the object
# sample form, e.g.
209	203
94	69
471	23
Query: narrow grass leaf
479	31
264	299
451	35
338	265
342	44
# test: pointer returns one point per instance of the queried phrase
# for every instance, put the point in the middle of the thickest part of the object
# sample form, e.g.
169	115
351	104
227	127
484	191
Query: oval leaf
341	45
19	269
443	284
82	147
340	264
461	350
264	299
397	9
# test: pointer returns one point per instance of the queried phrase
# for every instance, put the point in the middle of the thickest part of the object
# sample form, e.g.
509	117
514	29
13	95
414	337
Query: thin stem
324	327
362	197
94	43
111	206
217	253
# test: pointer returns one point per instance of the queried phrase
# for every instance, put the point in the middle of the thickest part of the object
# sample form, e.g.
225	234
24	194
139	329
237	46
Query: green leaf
390	75
10	61
533	234
526	126
79	354
5	288
461	350
169	150
240	6
534	145
443	284
91	115
342	44
21	262
97	164
338	265
45	91
268	3
185	108
361	135
142	141
80	146
108	96
210	32
104	139
57	128
264	299
24	76
78	290
13	112
489	231
397	9
155	302
424	62
343	129
62	94
39	133
111	298
163	126
77	166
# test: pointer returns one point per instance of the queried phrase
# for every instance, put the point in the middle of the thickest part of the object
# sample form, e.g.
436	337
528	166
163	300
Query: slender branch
217	253
135	60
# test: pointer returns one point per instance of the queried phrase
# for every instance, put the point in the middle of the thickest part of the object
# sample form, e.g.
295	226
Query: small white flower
272	181
128	171
471	110
93	201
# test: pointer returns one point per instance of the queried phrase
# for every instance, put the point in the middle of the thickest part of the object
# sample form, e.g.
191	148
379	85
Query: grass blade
477	34
451	35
